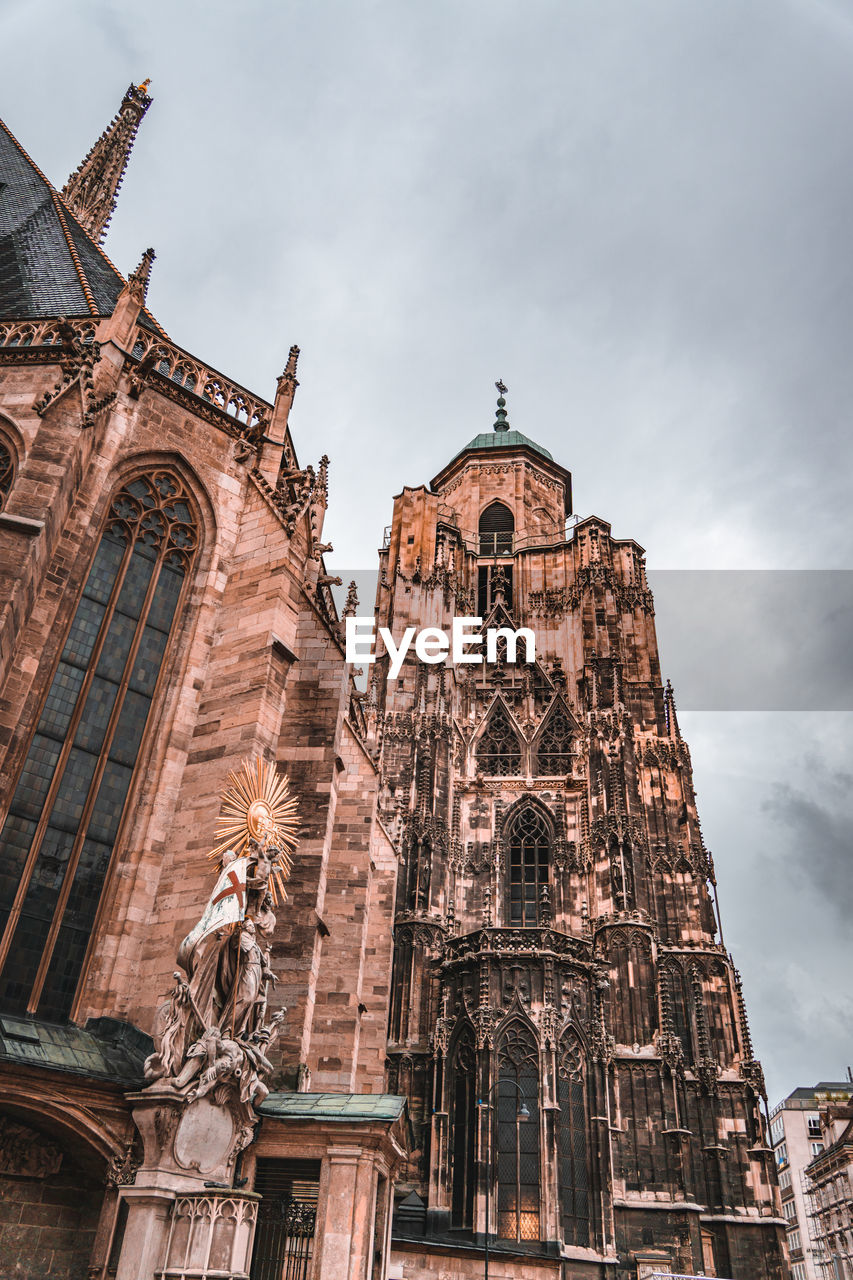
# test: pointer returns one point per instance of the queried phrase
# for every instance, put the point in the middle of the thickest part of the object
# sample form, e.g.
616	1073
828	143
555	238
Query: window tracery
554	749
517	1139
572	1142
7	472
499	750
529	855
59	834
464	1130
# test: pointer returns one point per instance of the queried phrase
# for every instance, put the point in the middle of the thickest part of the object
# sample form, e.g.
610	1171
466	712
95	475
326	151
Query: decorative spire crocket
91	193
501	423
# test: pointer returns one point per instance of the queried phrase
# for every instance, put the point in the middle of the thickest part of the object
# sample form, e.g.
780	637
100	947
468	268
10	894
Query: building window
7	472
798	1271
499	750
517	1140
463	1128
793	1240
494	582
777	1130
781	1154
572	1147
813	1125
784	1179
790	1210
496	530
529	840
816	1148
554	748
58	838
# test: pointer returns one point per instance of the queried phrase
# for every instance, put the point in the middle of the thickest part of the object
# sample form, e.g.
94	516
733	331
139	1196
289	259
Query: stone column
149	1213
342	1249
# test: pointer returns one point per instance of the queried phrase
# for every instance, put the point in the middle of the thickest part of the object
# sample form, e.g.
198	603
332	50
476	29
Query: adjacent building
512	1027
799	1138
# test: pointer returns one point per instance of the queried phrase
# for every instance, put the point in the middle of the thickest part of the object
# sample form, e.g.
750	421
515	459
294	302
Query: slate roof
49	266
105	1049
348	1107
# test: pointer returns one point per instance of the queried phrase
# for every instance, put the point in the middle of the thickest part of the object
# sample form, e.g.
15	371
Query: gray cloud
816	837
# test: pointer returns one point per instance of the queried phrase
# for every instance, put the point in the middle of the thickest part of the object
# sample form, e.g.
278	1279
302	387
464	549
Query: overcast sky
638	213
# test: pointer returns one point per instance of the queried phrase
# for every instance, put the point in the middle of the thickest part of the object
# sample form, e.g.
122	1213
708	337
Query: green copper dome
502	436
503	440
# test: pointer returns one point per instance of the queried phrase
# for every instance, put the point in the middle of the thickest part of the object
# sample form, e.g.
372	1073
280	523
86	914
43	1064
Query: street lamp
522	1113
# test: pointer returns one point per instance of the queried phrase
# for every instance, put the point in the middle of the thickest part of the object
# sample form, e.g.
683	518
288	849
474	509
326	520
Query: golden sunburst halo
258	805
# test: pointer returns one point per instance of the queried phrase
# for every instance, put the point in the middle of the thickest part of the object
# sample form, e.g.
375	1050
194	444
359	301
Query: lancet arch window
554	748
572	1142
496	529
59	834
499	749
463	1127
528	844
516	1140
7	471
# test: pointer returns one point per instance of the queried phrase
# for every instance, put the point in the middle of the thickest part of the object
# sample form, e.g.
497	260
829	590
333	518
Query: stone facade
120	448
555	934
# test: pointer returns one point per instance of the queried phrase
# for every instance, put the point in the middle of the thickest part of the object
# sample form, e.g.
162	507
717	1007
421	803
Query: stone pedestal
184	1219
211	1235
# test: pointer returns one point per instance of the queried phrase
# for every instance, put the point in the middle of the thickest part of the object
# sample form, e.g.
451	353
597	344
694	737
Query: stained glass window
529	846
7	472
572	1153
518	1139
59	835
499	750
554	748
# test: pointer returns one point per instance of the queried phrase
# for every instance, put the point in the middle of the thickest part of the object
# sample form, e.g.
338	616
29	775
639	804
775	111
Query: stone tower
556	945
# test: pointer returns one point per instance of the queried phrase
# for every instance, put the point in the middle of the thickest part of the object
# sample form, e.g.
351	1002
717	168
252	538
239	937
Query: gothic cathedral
493	1029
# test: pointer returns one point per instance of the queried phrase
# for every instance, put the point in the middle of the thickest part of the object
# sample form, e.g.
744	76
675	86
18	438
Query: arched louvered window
554	748
518	1140
529	846
499	750
463	1128
59	834
572	1142
7	471
496	529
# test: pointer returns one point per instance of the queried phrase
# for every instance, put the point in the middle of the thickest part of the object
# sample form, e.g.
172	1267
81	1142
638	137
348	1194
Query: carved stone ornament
209	1067
24	1153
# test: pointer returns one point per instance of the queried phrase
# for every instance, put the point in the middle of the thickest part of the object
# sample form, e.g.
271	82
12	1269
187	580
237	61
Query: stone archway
51	1196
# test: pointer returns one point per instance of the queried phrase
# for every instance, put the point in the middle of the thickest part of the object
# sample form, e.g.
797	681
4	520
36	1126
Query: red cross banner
227	903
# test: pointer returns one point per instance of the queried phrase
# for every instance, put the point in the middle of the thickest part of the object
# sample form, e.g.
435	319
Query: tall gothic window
58	837
463	1128
499	750
496	529
517	1140
529	849
7	472
571	1151
554	748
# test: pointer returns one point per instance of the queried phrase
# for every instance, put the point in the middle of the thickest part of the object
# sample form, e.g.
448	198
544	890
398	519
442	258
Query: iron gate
287	1219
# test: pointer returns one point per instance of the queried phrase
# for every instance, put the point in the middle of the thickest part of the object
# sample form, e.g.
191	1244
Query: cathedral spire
139	278
92	190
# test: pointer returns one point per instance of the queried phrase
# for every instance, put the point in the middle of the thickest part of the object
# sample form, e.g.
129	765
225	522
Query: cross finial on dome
501	423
